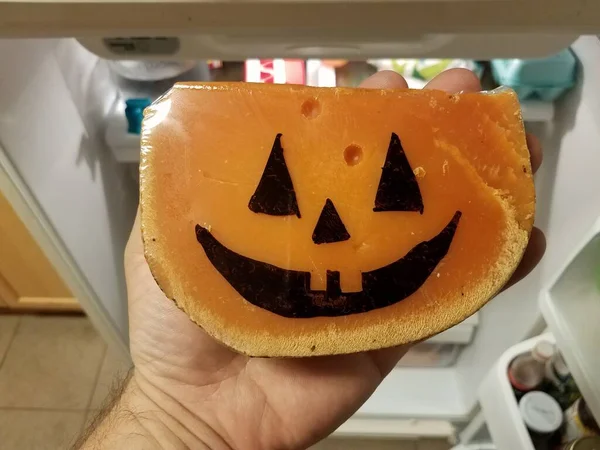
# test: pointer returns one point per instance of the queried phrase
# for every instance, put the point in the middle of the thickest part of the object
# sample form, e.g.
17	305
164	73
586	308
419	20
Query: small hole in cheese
353	154
311	108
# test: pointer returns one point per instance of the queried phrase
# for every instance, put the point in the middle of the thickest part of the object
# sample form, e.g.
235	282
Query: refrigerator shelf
499	403
571	308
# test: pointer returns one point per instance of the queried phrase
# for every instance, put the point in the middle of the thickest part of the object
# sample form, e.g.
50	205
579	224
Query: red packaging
278	71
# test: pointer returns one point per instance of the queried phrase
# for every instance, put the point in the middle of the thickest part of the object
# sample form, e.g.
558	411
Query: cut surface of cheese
297	221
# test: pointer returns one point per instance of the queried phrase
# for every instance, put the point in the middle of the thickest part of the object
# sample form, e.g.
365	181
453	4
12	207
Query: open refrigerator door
570	307
570	298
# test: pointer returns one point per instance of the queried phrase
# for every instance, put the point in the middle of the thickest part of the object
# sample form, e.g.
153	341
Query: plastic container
545	78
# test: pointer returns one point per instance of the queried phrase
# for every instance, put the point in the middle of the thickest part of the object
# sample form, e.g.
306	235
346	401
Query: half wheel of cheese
297	221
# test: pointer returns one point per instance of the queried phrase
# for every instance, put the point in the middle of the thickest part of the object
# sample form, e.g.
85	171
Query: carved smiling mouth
288	294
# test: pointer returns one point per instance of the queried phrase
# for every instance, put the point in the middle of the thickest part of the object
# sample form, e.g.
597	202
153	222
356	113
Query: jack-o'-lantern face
288	292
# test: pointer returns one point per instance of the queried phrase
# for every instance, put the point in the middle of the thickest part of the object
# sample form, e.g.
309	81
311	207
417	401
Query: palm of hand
251	402
257	403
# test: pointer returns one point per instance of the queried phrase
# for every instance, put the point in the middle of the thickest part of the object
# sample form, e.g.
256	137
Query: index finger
386	79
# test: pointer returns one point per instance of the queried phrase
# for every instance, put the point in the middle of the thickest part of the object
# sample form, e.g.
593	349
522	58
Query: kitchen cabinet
28	281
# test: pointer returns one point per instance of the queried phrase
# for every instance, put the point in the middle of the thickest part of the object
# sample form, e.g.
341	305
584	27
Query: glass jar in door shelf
579	422
527	371
542	417
586	443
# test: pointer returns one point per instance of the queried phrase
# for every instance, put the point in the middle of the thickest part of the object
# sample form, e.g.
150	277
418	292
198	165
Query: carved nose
330	227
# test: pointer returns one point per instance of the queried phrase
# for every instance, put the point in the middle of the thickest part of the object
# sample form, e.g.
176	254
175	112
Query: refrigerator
78	199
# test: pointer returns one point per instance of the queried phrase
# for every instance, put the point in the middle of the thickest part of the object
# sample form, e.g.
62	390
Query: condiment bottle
527	371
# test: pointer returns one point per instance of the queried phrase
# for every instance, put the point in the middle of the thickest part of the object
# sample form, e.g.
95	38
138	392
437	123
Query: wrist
178	427
140	416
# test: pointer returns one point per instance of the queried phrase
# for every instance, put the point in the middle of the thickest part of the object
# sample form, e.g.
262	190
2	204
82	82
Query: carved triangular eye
275	193
330	227
398	189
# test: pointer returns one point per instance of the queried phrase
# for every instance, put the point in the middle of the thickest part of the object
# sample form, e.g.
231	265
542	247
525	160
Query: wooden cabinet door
27	279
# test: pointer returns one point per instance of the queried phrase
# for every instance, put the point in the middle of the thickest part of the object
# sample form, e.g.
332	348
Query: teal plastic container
544	78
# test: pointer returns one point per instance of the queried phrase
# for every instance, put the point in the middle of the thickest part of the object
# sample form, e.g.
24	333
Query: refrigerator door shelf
499	403
571	308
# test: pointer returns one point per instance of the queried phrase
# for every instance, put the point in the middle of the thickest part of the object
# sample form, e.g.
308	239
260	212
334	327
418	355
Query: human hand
228	400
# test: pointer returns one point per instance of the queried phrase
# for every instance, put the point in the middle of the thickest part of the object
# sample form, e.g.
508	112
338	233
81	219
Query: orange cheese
294	221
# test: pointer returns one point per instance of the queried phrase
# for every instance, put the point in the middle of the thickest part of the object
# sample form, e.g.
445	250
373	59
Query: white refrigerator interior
54	98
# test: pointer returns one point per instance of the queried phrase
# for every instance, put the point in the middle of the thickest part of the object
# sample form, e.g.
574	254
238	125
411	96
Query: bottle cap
134	112
543	351
540	412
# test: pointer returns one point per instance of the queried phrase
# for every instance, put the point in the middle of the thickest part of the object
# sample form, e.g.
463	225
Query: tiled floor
56	371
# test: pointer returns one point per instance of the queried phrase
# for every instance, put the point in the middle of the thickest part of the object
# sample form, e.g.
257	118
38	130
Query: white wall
53	96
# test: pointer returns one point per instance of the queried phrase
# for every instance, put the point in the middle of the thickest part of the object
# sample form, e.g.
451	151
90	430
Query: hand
228	400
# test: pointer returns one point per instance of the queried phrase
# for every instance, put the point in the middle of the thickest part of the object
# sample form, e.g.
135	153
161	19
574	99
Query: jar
542	417
579	421
586	443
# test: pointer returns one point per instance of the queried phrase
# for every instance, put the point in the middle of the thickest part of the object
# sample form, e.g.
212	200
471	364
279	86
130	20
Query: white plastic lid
540	412
543	351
